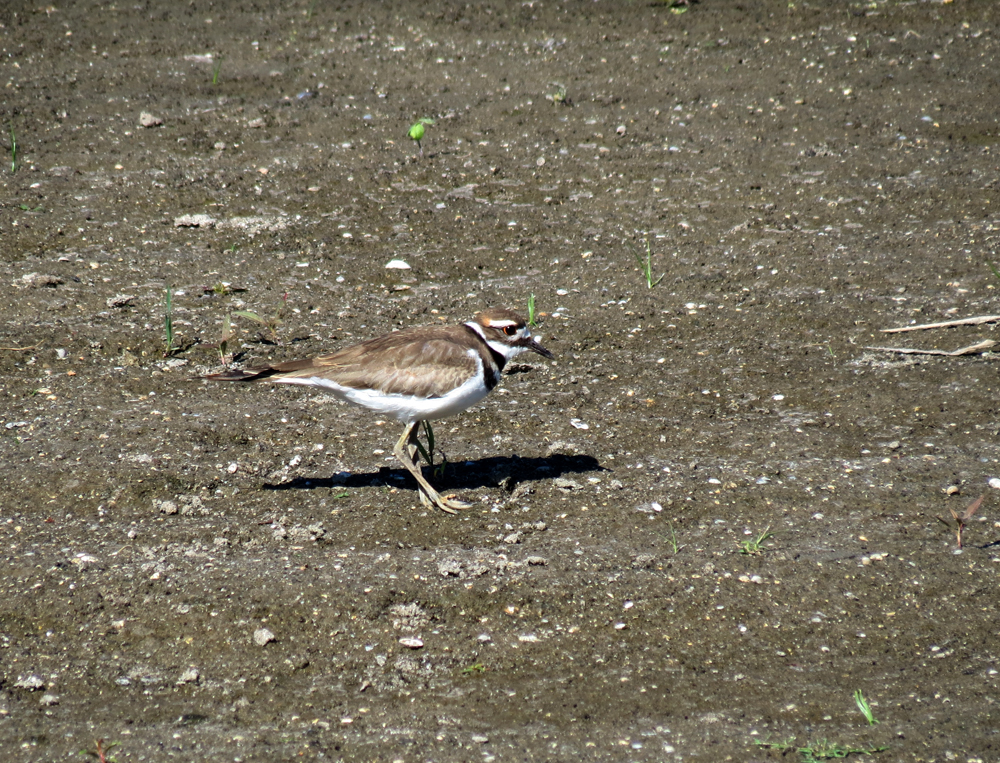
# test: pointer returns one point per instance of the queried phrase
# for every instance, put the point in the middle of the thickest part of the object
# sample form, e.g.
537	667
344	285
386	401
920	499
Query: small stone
994	483
620	129
49	699
480	738
411	642
189	676
119	300
577	424
396	265
165	507
263	636
566	484
194	221
537	561
38	280
32	682
148	120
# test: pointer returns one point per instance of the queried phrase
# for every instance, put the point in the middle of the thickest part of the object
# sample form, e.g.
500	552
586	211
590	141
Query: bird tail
241	374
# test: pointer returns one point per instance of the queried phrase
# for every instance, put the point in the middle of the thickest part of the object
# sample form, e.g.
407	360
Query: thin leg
404	451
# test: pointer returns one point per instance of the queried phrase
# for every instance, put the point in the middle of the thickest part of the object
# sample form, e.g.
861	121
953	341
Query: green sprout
646	264
822	749
994	269
531	311
958	521
271	324
216	68
864	707
227	334
417	132
100	752
673	539
559	96
476	667
428	453
168	324
13	149
755	544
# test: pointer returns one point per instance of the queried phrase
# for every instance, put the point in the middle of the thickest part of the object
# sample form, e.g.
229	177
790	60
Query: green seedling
13	149
959	521
338	496
100	752
227	334
477	667
216	68
822	749
168	324
271	324
428	453
673	540
864	707
994	270
558	97
646	264
417	132
755	544
531	311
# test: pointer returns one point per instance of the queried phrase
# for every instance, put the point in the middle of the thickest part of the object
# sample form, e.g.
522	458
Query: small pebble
189	676
263	636
411	643
32	682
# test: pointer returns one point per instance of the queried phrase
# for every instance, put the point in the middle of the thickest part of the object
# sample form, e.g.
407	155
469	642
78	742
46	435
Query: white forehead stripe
502	323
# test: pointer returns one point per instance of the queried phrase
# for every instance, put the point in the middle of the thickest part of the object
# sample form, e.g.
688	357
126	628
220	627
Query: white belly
404	407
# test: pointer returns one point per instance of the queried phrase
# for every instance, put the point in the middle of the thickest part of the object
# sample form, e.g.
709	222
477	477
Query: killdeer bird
416	374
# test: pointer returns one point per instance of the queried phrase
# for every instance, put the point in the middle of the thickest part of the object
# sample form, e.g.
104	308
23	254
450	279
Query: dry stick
972	349
19	349
946	324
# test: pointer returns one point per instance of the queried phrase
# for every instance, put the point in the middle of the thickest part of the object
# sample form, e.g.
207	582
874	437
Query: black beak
531	344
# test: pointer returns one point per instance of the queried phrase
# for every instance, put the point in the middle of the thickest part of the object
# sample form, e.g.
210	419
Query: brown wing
430	364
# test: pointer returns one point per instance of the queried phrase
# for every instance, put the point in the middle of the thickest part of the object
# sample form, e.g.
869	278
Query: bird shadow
495	471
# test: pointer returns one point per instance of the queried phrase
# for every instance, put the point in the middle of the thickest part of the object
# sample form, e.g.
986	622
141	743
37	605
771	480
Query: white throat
501	348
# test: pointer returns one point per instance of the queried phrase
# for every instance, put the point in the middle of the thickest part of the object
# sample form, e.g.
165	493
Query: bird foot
447	503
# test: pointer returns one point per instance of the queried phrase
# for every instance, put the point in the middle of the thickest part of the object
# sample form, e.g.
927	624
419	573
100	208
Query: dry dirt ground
200	571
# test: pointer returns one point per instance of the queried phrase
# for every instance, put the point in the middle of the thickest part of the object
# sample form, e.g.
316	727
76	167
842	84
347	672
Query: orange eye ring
510	330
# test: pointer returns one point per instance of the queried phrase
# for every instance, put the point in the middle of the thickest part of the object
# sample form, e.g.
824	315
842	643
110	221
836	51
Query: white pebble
263	636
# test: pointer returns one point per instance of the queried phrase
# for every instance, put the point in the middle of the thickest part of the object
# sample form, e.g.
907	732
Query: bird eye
510	330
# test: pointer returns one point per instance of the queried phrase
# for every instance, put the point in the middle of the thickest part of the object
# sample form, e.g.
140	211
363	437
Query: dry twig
972	349
979	319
